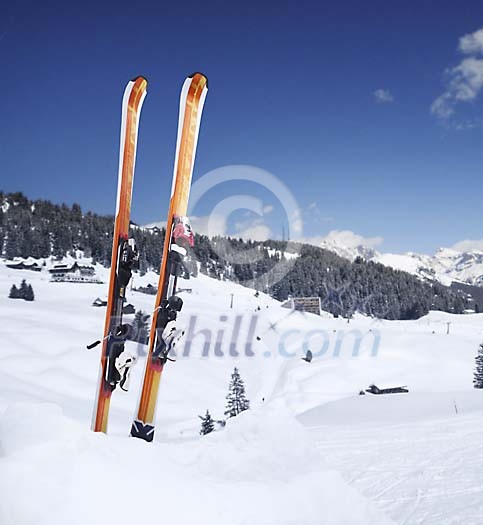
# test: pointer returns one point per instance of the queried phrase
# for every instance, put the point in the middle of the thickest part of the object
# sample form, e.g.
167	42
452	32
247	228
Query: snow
418	472
446	265
77	477
285	254
397	408
349	245
310	450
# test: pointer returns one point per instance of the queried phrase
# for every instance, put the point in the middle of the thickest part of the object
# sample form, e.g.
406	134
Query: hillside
310	449
44	230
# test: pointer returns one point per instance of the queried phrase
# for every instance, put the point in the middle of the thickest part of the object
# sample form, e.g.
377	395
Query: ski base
143	431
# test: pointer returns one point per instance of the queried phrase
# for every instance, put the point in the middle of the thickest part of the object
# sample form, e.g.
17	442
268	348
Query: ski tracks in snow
421	473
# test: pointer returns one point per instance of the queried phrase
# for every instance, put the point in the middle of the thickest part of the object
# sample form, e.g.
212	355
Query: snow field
309	451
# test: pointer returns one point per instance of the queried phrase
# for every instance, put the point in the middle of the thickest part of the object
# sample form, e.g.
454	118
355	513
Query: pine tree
141	327
23	289
41	229
207	424
14	294
478	374
29	293
236	398
11	245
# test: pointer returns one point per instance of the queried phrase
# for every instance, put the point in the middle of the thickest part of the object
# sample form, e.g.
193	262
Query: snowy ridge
446	265
337	244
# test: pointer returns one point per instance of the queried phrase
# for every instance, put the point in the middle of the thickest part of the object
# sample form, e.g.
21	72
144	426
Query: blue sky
292	90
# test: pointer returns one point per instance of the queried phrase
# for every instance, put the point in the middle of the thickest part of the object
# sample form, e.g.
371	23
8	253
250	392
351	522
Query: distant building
128	309
34	267
149	289
304	304
99	302
75	273
373	389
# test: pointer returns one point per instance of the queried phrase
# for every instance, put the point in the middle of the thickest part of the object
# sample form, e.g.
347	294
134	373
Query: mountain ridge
40	229
447	265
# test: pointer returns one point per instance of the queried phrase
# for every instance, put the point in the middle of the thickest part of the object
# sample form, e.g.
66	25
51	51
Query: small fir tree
141	327
207	424
14	294
29	293
23	289
478	375
236	398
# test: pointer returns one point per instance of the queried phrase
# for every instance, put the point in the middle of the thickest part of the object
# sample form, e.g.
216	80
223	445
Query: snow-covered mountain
343	247
446	265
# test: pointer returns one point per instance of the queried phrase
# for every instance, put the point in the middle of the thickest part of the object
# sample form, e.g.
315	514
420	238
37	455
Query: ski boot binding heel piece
128	261
120	362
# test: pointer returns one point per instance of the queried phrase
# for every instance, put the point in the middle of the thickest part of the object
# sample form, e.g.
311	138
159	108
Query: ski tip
140	79
198	74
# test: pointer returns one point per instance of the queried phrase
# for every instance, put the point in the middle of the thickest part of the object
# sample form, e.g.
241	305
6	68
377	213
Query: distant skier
308	357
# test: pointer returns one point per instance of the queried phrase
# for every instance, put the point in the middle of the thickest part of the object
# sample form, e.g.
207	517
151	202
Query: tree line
42	229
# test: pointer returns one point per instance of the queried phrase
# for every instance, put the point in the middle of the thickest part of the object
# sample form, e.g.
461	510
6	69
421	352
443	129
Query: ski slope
310	450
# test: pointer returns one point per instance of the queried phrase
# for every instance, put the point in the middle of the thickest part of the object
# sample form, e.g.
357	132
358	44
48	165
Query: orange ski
123	256
178	234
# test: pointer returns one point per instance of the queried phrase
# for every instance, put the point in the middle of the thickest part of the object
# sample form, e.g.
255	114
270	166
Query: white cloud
467	245
296	224
267	209
346	239
383	95
313	214
254	232
465	84
254	229
442	107
465	81
351	240
210	225
472	43
250	228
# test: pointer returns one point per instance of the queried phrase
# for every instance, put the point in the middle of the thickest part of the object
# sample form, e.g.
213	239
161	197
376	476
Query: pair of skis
115	361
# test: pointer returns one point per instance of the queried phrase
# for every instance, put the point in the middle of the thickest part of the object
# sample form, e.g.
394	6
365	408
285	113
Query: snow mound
393	408
260	470
264	467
